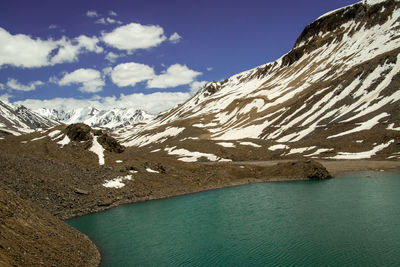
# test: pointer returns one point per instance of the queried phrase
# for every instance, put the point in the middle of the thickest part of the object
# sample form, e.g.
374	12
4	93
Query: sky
144	54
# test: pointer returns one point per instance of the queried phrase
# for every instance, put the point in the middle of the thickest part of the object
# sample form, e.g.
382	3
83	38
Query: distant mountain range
112	119
17	119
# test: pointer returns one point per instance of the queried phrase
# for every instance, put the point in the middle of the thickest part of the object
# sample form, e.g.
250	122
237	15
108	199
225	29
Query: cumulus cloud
112	13
196	86
210	68
90	80
21	50
174	76
15	85
101	21
5	97
129	74
108	20
135	36
112	57
113	21
69	50
92	14
107	71
53	26
175	38
151	103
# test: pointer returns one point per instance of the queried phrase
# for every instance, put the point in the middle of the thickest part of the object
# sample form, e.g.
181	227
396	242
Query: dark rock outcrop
79	132
301	169
110	144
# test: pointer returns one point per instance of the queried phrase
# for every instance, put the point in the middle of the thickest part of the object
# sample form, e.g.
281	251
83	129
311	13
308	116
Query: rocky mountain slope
335	95
17	119
30	236
112	119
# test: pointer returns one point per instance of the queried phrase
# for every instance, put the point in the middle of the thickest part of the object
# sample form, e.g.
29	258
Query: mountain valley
329	105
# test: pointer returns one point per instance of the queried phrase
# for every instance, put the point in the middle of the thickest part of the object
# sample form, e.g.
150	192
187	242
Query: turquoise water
336	222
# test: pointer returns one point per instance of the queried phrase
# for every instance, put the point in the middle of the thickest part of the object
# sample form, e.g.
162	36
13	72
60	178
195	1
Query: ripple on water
353	221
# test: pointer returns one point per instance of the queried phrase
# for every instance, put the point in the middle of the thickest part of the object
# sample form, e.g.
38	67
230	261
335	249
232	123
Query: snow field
117	182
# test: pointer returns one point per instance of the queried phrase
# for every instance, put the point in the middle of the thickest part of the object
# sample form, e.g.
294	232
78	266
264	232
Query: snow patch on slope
367	125
362	155
98	150
154	138
189	156
226	144
278	147
117	182
249	144
64	141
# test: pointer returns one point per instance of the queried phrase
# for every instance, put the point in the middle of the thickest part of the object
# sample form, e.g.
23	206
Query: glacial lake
352	220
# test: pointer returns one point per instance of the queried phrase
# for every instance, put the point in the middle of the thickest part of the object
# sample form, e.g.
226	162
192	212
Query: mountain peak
17	119
335	94
111	118
341	23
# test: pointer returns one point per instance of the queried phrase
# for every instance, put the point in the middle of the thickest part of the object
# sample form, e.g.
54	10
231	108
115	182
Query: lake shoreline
335	167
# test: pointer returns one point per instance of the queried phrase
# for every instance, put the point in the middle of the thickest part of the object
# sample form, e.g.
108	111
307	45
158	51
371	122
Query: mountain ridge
114	118
17	119
340	80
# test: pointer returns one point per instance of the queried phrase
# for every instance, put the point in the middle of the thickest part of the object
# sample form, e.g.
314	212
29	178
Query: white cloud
107	71
108	20
53	26
92	14
15	85
112	13
196	86
2	87
53	79
5	97
69	51
135	36
151	103
101	21
129	74
90	80
113	21
174	76
112	57
89	43
210	68
21	50
175	38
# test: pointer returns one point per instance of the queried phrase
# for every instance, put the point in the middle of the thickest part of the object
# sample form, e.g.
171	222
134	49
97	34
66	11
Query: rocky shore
30	236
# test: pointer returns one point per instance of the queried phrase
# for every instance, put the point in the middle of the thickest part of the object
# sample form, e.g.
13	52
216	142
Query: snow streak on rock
98	150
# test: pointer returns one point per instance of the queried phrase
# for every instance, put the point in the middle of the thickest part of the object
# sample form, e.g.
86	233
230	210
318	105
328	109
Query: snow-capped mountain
113	118
17	119
336	94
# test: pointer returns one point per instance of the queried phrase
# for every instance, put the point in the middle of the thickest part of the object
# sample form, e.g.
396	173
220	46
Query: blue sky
149	54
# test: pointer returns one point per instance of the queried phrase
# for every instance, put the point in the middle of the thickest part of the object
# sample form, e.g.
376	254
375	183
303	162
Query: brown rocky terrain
30	236
68	181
